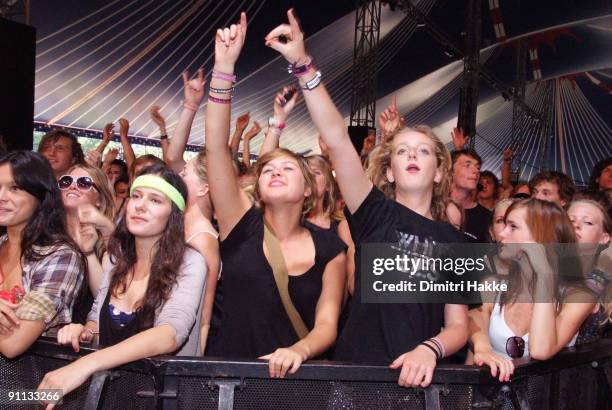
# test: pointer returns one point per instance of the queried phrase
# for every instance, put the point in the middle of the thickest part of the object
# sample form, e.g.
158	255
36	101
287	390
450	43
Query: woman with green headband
145	306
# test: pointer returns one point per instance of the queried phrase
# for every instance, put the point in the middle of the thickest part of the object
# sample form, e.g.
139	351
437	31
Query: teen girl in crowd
325	214
411	173
258	321
145	306
90	212
593	229
199	230
36	254
515	325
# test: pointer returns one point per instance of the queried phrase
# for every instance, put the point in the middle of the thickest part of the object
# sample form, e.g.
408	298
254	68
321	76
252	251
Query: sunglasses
82	183
515	347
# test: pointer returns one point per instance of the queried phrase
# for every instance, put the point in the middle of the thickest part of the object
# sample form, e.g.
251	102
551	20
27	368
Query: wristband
190	107
219	100
300	70
313	83
163	137
224	76
275	130
221	90
432	349
440	346
273	122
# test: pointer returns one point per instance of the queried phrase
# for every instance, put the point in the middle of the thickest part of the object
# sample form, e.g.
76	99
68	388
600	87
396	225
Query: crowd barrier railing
576	378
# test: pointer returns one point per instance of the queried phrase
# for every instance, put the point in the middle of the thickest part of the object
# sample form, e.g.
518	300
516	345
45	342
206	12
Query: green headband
161	185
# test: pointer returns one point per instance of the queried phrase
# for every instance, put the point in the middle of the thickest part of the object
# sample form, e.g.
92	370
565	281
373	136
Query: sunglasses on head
515	347
82	183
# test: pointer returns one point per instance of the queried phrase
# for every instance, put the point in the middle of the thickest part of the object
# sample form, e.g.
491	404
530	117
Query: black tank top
110	332
254	321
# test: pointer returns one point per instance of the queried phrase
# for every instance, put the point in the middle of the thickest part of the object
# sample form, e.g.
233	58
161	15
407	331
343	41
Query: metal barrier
577	378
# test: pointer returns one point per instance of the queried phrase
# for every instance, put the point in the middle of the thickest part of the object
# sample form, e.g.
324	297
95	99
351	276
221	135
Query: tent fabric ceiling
100	61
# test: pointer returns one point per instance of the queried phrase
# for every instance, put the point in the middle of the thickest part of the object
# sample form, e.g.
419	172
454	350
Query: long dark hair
167	257
47	226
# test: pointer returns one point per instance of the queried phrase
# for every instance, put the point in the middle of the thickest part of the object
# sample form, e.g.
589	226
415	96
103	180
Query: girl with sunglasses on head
411	171
542	311
90	211
259	243
36	254
150	298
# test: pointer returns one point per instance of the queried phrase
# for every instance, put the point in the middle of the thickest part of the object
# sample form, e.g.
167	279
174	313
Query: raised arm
241	123
505	169
282	108
194	92
107	135
353	182
158	119
459	138
230	202
246	144
128	151
390	120
94	156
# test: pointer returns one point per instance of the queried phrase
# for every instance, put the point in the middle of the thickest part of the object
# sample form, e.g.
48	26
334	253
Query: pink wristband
219	100
223	76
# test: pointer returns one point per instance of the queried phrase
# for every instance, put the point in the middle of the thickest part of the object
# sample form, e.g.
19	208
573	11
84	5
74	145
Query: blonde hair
331	186
199	165
309	178
605	217
107	198
380	162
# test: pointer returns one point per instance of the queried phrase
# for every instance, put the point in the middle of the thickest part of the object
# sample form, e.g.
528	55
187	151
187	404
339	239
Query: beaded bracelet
273	122
275	130
224	76
221	90
219	100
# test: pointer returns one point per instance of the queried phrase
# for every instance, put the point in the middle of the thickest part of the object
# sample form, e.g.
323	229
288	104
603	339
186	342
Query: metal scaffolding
365	61
468	95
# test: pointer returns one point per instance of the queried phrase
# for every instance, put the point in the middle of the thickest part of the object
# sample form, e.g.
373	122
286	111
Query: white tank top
499	332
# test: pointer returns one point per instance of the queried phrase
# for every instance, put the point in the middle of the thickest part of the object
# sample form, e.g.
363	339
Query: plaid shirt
52	285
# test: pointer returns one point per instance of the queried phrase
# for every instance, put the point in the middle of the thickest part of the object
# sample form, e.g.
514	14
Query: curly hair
167	256
380	161
54	135
309	178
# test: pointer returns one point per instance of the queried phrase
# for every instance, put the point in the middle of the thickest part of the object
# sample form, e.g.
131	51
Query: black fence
577	378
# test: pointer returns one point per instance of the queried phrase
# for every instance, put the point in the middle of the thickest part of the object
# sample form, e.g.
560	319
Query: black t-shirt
378	333
254	321
477	222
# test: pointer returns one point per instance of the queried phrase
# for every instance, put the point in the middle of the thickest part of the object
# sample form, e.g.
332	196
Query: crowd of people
224	258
